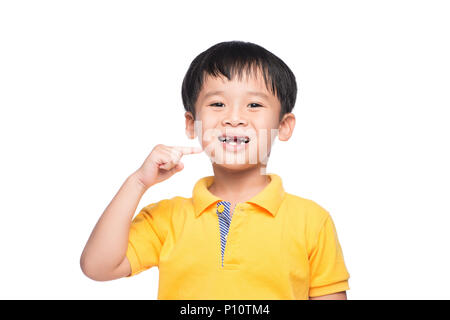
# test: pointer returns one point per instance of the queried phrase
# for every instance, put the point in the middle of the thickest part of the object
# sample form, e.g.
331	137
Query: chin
235	166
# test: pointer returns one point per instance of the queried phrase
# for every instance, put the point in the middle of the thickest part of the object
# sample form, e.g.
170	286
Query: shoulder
308	214
167	209
165	206
306	208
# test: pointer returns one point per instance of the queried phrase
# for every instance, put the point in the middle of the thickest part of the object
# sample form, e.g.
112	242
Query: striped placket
223	212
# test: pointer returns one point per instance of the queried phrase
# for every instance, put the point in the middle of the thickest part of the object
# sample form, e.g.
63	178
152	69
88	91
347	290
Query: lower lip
234	148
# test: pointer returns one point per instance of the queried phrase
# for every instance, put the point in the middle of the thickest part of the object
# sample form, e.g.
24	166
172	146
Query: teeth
231	140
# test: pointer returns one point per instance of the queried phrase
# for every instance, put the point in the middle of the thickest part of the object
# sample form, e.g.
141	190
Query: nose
234	119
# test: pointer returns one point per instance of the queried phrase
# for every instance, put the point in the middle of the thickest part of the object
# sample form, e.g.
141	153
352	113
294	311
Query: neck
238	185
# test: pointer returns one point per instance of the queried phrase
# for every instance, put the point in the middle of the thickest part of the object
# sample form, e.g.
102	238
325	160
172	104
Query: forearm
107	245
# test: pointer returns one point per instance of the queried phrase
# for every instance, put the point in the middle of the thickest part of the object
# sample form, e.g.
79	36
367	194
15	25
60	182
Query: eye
256	105
216	104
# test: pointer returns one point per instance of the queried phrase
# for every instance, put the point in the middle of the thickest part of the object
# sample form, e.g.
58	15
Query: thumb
179	166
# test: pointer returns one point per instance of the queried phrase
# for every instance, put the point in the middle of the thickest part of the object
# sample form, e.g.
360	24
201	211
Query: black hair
231	58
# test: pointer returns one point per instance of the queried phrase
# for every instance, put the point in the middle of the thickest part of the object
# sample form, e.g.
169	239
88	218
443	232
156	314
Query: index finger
189	150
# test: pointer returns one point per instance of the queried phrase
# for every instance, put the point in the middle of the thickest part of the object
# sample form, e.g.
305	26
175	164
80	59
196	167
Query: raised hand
162	163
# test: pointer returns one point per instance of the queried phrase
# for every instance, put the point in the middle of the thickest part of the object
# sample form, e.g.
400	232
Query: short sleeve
327	267
146	237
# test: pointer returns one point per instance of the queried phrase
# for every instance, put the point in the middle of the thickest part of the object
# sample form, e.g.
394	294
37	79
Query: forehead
252	82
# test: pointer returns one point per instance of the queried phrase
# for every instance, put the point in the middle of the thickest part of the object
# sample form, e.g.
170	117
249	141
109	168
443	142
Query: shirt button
221	208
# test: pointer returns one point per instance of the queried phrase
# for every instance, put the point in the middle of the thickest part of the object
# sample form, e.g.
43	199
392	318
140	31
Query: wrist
135	178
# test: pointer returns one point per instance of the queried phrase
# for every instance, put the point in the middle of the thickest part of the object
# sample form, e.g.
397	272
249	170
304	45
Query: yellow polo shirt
279	246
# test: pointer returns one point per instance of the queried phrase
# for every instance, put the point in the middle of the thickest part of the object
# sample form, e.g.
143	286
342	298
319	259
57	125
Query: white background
88	88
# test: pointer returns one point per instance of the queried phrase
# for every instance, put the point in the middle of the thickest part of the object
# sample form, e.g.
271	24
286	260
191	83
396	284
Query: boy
241	235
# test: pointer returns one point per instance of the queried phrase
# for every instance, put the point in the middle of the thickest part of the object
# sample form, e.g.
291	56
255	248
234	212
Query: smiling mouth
233	140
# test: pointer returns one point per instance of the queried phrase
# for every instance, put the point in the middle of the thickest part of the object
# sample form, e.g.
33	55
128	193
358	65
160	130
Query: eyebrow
255	93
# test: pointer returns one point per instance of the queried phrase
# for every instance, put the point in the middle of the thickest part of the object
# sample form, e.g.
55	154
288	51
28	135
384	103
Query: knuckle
160	146
175	154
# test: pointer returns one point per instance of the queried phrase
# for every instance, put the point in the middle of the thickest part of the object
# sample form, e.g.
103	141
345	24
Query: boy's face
241	108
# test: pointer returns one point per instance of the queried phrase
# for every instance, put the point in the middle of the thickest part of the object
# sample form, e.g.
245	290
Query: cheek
264	141
207	132
267	131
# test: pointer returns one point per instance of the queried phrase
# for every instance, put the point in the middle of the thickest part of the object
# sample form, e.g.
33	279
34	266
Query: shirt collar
269	198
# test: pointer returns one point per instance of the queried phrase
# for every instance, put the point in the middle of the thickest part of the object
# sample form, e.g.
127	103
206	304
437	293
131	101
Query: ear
190	130
286	127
